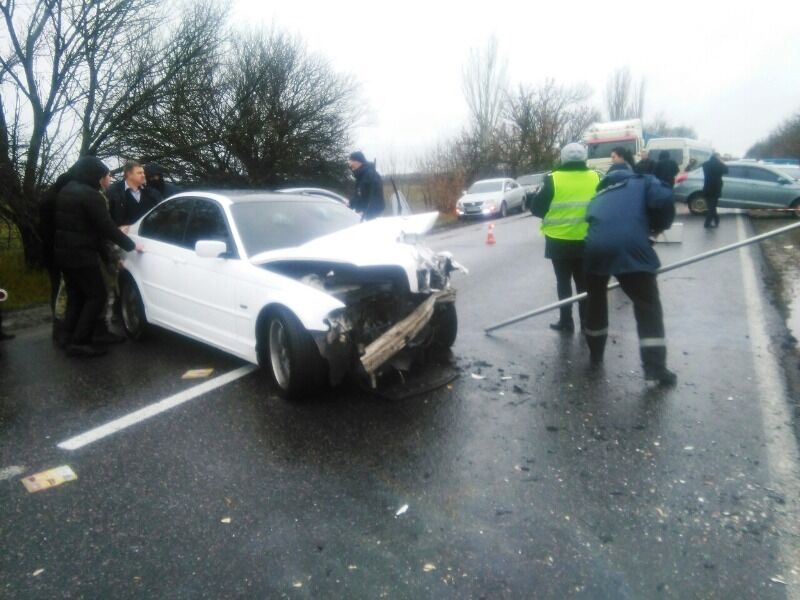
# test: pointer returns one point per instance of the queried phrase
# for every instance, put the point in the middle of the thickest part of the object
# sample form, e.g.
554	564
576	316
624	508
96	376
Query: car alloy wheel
697	204
133	316
279	356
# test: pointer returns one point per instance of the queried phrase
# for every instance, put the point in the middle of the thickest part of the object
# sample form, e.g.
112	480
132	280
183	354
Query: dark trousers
711	214
642	289
568	270
86	299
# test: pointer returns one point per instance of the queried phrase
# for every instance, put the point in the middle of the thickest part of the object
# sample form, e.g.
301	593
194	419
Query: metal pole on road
664	269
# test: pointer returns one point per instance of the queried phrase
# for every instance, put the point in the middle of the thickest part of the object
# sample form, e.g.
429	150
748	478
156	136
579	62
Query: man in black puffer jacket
82	226
368	197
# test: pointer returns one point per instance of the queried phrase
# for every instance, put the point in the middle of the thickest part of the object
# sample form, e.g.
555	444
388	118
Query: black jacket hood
89	170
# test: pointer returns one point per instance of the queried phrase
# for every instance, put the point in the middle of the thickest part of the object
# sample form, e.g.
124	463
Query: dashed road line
152	410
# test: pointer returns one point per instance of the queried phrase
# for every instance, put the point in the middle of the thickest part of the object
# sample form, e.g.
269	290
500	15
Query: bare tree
659	126
624	97
543	118
484	83
782	142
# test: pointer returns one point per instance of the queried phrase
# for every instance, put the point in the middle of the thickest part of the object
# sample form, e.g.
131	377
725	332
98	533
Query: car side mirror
210	248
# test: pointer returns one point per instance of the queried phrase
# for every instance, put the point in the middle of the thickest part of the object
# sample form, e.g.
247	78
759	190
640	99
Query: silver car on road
491	197
748	184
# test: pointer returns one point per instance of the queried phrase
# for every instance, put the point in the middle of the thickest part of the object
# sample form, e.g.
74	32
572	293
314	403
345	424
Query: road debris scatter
50	478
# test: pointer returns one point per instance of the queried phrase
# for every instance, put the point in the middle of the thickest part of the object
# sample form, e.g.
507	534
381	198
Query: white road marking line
140	415
782	452
12	471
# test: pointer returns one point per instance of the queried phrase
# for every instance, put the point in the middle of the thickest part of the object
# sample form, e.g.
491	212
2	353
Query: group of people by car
597	227
84	220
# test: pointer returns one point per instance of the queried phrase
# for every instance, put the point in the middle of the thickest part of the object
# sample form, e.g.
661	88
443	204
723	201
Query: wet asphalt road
530	476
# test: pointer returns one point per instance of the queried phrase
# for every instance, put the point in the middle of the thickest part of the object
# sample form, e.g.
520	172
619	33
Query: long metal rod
664	269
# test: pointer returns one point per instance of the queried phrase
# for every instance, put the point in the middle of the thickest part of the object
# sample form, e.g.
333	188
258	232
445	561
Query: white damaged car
296	284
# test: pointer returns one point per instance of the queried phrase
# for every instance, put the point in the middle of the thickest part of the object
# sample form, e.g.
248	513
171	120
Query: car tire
445	325
697	204
134	319
289	355
503	209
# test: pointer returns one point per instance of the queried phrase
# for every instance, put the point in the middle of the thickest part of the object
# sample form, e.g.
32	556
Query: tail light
681	177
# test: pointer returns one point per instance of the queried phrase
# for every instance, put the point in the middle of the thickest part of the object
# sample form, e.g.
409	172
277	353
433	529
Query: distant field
25	287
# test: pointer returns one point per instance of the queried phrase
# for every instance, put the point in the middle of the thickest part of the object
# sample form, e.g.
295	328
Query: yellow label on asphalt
197	373
50	478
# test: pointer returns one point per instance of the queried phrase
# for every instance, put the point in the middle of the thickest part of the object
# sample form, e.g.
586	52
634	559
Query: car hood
481	197
375	242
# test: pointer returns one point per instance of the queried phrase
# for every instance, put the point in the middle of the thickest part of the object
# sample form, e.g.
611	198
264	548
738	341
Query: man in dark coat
646	165
561	204
368	196
154	174
666	169
82	226
130	198
621	220
713	170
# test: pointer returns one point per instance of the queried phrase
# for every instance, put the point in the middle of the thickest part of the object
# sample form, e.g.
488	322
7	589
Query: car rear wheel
134	319
445	325
697	204
288	353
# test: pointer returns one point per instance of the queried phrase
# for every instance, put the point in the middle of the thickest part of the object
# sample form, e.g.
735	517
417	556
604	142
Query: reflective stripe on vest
572	192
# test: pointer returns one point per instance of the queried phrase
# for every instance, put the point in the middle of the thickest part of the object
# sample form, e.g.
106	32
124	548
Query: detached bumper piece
399	335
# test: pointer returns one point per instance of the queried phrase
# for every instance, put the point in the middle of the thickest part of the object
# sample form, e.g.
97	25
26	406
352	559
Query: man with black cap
82	227
154	174
561	204
368	196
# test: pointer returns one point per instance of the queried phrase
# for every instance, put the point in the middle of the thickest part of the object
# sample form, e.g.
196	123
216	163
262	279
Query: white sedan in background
491	197
295	284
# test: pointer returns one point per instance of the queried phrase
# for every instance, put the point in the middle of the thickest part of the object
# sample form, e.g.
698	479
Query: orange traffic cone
490	236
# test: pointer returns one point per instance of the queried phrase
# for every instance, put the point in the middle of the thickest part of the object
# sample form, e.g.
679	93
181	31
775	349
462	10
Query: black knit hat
358	155
89	170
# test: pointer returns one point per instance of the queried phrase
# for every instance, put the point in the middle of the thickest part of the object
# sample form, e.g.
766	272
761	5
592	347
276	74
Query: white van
688	153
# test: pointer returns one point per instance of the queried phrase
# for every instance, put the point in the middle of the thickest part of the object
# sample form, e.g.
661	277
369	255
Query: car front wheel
445	325
134	319
290	356
697	204
504	209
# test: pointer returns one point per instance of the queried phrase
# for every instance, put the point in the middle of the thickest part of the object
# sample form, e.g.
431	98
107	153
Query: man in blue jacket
622	217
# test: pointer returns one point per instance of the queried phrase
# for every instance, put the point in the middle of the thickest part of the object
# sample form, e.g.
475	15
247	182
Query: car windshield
603	149
272	224
789	171
481	187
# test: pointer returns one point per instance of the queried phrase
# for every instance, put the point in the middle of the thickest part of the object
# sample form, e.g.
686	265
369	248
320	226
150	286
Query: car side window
207	222
167	222
734	171
757	174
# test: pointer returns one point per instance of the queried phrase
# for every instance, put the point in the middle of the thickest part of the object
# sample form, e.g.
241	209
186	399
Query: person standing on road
713	170
561	204
368	195
621	220
82	226
646	165
666	169
130	198
154	174
621	160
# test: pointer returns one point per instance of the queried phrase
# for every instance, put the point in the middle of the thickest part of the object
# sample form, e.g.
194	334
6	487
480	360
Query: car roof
230	197
492	180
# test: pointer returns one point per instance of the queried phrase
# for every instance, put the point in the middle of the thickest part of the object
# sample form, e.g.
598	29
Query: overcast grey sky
731	70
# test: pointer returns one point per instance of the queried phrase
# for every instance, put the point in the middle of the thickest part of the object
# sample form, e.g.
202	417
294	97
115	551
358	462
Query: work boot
597	348
563	326
85	350
662	375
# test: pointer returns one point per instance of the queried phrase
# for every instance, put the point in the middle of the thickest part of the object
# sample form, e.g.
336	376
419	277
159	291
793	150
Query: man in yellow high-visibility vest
561	204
